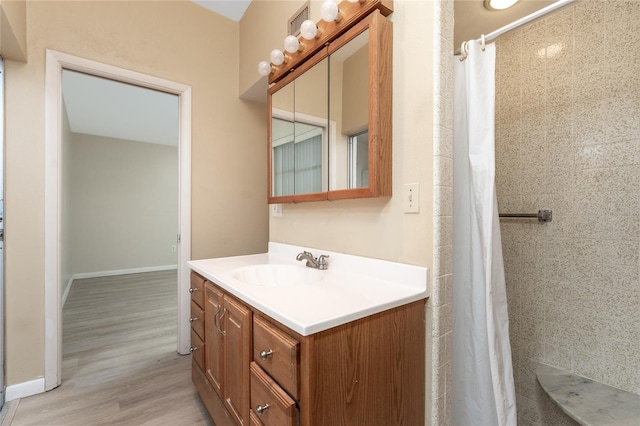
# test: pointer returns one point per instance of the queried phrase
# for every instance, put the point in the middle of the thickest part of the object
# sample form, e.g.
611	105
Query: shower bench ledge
588	402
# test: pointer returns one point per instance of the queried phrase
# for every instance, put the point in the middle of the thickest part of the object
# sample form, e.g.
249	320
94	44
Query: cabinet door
214	349
237	327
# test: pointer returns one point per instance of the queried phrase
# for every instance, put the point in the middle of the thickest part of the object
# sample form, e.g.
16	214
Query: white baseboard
111	273
25	389
83	275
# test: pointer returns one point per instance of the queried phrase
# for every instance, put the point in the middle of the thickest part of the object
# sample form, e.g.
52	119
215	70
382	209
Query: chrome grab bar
543	215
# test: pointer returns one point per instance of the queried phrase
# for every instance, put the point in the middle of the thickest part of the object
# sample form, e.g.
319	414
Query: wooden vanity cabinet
370	371
228	351
214	353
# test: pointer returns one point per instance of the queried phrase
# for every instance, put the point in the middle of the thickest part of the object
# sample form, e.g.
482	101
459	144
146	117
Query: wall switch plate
173	248
411	198
276	210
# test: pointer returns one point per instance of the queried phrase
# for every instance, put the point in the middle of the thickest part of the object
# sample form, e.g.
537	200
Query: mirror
330	120
349	110
282	131
311	129
299	135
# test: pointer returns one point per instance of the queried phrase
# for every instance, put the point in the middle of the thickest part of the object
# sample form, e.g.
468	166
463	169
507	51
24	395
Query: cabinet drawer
278	354
197	349
279	408
197	289
197	319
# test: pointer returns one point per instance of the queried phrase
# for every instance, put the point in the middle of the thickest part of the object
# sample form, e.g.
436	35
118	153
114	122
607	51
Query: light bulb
329	11
277	57
308	30
264	68
499	4
291	44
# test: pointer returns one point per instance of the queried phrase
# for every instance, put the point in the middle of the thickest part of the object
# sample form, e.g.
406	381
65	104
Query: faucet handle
322	262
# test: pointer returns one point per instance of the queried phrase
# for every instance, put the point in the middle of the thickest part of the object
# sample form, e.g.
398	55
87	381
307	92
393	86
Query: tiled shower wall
568	139
440	302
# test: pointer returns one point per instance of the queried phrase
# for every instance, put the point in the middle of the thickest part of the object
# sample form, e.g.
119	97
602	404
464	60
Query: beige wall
568	139
355	88
13	29
376	228
177	41
124	204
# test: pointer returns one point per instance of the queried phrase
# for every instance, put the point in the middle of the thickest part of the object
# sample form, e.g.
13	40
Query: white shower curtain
482	374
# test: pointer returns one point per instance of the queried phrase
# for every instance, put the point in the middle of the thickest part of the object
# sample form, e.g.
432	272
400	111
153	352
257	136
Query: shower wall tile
582	133
441	297
443	171
555	355
572	145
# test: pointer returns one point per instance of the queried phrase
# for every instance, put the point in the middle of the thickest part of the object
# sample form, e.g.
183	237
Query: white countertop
353	287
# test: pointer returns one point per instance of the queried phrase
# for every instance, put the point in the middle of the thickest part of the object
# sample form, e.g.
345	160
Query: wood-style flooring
120	365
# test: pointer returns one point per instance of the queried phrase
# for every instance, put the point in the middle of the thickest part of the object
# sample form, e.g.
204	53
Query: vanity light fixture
309	30
292	44
494	5
337	17
329	11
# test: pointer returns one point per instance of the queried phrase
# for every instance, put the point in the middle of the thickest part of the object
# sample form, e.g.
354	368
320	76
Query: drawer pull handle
265	354
191	290
193	349
262	408
193	319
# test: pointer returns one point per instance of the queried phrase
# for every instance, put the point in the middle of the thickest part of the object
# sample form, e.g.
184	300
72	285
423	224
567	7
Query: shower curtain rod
525	20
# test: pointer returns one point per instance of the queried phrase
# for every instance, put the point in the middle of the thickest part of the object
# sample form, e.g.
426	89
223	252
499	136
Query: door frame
55	63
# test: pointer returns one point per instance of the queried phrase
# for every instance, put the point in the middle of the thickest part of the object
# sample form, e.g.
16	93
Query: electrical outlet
173	248
411	197
276	210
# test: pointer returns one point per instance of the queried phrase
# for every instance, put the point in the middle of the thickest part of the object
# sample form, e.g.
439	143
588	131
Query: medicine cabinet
329	126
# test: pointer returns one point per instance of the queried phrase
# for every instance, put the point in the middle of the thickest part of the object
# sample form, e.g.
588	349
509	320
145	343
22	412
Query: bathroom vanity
277	343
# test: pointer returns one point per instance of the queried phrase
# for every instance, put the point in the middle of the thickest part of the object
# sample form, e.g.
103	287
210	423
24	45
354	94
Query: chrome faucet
312	262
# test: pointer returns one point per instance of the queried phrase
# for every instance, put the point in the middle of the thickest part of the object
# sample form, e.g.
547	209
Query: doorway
56	62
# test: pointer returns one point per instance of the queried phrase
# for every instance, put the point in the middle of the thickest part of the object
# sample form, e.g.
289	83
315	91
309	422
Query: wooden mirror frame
379	103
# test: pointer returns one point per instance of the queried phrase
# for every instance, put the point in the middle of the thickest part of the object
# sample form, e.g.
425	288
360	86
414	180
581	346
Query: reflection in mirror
349	110
282	135
359	160
282	156
300	134
311	130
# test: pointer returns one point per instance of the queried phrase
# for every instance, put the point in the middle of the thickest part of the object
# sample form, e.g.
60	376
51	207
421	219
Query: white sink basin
277	275
308	300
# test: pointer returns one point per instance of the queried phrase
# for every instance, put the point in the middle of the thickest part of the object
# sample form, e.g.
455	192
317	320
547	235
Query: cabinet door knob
262	408
193	319
265	354
193	349
191	290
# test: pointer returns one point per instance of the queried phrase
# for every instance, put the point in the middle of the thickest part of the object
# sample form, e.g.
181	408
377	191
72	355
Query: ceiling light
498	4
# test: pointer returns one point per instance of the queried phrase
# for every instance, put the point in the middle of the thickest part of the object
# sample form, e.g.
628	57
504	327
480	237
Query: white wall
124	204
174	40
